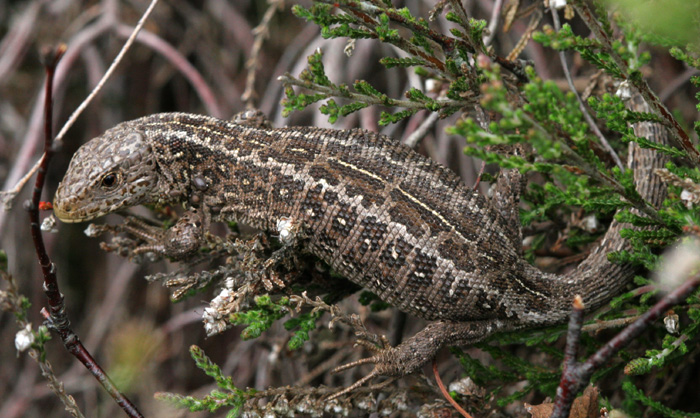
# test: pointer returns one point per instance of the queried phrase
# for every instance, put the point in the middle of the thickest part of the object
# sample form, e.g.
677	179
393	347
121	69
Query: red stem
56	316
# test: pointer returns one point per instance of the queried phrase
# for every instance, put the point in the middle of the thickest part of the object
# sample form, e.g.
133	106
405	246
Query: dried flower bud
558	4
24	338
349	47
671	323
624	91
49	224
467	387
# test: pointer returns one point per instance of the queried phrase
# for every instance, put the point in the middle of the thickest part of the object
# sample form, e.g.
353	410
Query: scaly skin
380	214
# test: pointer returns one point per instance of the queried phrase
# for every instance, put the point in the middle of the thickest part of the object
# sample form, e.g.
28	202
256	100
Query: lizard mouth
72	209
66	215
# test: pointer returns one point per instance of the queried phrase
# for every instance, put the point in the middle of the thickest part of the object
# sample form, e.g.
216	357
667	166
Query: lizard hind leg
376	372
409	356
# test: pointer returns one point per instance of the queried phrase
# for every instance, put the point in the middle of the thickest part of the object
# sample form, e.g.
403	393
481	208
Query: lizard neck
209	163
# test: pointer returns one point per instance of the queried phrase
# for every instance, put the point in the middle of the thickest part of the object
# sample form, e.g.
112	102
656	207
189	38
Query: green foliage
638	395
227	395
574	177
372	300
673	347
688	58
631	300
611	109
3	261
304	323
267	312
550	114
387	118
296	102
590	49
334	111
260	320
676	213
24	305
361	95
11	300
391	62
433	54
42	335
513	369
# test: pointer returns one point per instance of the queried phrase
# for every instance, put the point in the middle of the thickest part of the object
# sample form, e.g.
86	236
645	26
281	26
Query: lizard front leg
272	272
177	242
409	356
291	236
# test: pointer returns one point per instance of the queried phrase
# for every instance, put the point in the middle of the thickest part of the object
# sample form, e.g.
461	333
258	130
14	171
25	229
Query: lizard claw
374	373
382	366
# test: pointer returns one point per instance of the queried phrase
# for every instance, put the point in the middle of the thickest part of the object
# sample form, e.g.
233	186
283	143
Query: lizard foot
178	242
410	356
284	264
382	364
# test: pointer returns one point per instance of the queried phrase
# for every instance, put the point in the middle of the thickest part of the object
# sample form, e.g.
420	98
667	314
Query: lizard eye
109	180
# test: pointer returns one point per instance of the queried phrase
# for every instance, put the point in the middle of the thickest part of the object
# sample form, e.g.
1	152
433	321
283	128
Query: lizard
383	216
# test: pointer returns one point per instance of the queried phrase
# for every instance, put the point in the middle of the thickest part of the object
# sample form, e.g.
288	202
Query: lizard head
110	172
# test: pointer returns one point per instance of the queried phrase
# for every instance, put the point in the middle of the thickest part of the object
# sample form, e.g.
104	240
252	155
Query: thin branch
18	176
581	105
594	173
127	45
493	23
420	133
569	377
612	323
677	133
57	318
158	44
17	40
677	83
261	32
12	301
288	79
109	21
458	9
446	43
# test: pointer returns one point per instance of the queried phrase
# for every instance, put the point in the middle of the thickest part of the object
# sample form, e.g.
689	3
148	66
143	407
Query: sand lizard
380	214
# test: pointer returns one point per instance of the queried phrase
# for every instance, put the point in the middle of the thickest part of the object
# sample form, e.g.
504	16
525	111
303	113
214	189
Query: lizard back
380	214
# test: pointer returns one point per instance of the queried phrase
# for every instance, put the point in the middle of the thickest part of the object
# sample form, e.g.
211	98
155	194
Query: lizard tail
596	279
